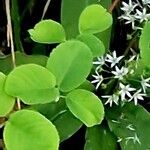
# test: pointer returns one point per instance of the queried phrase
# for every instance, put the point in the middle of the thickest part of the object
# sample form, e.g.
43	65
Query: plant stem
10	42
45	8
113	5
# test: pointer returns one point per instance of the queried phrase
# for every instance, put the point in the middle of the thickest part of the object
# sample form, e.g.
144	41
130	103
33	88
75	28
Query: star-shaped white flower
125	90
100	61
137	96
146	2
142	16
120	73
134	138
128	7
98	79
113	59
129	19
111	99
144	83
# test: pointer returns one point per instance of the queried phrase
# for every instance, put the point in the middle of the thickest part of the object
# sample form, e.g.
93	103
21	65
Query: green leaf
87	85
144	44
6	62
6	102
47	31
29	130
71	63
100	19
131	124
32	84
73	125
51	110
100	138
97	47
70	20
86	106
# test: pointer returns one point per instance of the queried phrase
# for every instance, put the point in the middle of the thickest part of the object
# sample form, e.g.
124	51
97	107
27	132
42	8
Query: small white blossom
129	19
146	2
145	84
100	61
125	90
142	16
130	127
137	96
119	139
136	139
128	8
113	59
120	73
98	79
111	98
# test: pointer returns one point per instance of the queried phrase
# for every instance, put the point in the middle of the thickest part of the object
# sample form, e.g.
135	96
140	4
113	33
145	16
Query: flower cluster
135	13
123	92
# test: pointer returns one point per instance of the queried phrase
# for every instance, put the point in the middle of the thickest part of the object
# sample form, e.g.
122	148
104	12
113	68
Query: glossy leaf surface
71	63
32	84
29	130
86	106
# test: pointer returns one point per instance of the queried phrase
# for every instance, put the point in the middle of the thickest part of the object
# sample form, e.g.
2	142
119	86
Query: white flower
125	90
120	73
130	127
100	61
98	79
111	98
142	16
113	59
128	8
146	2
129	19
144	83
134	138
137	96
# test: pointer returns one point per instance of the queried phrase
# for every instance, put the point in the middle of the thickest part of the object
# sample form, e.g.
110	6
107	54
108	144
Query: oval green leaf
86	106
21	59
97	47
94	19
71	63
6	102
31	83
47	31
29	130
73	125
131	124
144	44
100	138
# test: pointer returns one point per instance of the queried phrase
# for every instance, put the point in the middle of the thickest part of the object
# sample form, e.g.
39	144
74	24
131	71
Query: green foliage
87	85
101	19
47	31
26	130
66	119
71	63
97	47
144	44
131	126
86	106
99	137
6	102
32	84
21	58
61	117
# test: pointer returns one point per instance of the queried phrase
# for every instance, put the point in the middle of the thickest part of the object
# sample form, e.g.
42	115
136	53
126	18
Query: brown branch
113	5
